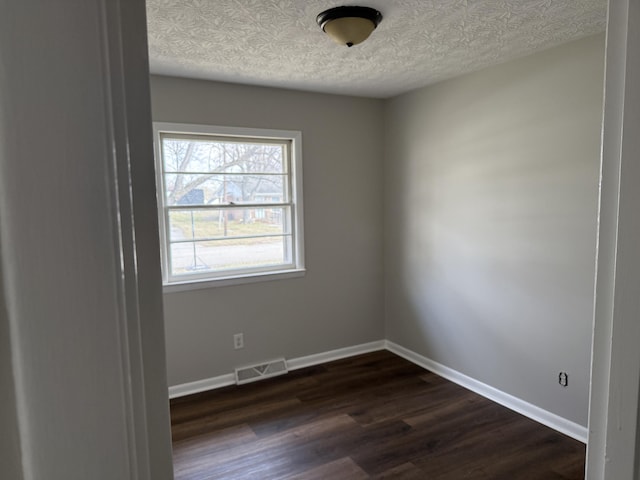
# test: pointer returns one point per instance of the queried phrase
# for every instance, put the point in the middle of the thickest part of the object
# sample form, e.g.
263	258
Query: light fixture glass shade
349	30
349	25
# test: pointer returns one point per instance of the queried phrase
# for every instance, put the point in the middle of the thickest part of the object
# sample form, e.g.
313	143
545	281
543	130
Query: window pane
208	256
227	223
211	189
218	156
229	201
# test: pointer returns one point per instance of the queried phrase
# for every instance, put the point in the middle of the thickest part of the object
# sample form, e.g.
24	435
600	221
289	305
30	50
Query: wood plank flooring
374	416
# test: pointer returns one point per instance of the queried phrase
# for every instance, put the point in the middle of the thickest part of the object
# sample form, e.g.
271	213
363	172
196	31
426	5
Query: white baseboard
202	385
293	364
529	410
331	355
538	414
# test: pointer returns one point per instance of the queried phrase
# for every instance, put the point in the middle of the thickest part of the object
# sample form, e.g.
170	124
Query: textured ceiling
278	43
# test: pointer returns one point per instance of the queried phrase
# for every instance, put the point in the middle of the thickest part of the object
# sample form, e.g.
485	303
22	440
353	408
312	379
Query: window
230	204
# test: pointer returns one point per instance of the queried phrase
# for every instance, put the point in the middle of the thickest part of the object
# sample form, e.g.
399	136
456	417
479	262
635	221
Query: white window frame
240	276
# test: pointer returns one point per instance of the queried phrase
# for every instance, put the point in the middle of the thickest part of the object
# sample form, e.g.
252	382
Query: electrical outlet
563	379
238	341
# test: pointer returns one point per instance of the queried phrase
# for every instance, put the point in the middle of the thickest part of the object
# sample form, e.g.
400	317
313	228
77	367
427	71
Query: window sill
229	281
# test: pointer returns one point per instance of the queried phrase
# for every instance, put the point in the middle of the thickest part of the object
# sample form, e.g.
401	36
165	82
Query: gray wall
339	302
491	188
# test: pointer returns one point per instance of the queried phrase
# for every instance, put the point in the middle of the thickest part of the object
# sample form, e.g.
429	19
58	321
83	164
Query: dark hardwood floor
373	416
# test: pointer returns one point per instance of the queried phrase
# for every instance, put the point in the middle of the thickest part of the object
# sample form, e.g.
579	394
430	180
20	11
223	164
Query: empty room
437	199
319	240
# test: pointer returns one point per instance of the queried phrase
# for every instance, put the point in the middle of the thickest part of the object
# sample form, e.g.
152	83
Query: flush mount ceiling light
349	25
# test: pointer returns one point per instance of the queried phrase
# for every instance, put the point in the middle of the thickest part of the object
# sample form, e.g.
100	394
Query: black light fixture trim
369	13
338	13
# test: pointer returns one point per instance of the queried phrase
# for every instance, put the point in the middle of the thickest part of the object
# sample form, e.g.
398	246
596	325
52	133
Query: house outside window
230	204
